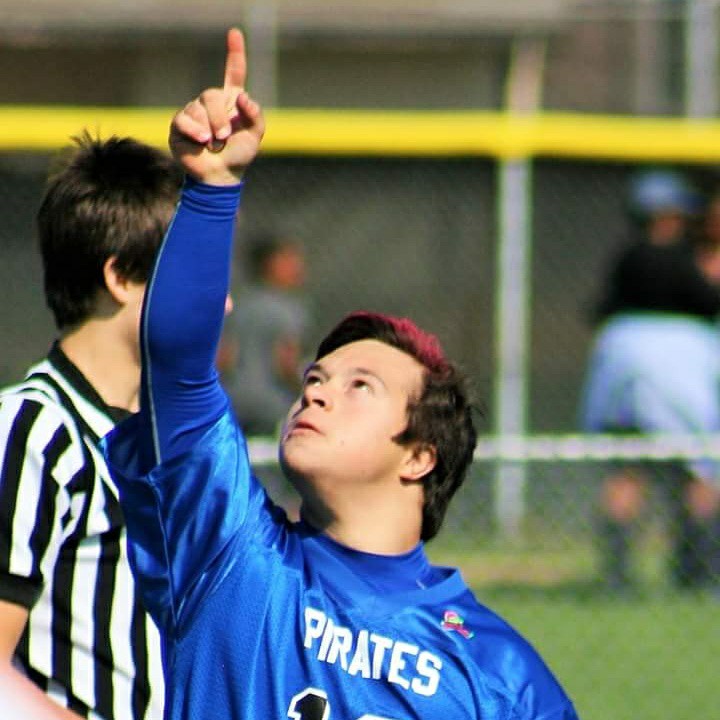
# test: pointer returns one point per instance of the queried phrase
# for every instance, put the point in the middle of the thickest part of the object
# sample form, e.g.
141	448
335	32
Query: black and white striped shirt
88	643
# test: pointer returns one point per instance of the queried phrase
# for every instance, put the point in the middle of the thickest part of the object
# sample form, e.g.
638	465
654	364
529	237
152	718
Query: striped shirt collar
81	384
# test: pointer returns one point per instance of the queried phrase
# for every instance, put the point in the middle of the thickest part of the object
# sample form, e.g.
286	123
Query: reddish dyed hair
440	417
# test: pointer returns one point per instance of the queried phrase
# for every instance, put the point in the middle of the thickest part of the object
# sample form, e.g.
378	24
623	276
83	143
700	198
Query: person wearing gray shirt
264	334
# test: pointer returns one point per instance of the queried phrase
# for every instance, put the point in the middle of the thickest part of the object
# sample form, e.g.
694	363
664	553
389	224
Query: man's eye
360	384
312	380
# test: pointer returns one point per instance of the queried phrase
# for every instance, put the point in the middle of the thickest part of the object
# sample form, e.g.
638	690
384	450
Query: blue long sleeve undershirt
183	311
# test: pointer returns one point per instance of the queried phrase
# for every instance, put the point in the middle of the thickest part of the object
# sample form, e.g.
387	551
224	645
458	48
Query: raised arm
214	138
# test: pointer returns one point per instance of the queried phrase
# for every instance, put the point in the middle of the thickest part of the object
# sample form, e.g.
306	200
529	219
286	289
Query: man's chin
299	469
291	467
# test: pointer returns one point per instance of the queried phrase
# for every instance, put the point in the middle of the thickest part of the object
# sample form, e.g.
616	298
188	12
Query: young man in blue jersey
339	615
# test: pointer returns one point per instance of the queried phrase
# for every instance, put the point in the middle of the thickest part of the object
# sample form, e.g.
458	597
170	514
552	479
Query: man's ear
117	285
420	461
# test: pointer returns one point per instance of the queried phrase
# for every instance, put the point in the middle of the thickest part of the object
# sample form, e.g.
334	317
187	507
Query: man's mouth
303	426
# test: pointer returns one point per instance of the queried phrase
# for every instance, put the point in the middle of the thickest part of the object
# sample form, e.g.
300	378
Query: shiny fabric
261	620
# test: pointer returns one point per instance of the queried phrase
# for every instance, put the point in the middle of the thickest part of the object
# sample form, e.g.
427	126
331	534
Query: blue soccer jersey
264	619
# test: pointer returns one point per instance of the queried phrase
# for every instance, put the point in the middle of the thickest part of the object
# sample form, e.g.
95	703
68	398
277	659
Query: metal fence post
523	90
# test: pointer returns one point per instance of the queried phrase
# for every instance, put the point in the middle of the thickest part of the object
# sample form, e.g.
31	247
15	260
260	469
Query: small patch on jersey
453	622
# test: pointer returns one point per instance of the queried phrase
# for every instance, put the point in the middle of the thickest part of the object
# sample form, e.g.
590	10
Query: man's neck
110	365
369	520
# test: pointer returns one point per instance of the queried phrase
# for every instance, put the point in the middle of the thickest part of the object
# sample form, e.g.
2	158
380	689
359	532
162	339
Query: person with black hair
75	641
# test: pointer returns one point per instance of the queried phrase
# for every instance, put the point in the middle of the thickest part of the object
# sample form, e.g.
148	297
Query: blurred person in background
655	368
708	238
75	641
263	344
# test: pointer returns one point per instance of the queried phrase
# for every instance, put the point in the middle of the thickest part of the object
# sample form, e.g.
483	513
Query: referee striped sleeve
62	555
26	504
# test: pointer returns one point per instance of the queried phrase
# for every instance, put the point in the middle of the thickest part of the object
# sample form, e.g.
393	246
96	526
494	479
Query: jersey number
313	704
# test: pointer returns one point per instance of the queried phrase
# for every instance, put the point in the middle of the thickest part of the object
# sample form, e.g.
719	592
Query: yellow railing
396	133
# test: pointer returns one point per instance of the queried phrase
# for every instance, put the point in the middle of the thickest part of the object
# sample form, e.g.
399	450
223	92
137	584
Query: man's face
340	430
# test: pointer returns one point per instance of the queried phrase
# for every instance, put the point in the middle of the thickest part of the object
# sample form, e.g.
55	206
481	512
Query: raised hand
217	135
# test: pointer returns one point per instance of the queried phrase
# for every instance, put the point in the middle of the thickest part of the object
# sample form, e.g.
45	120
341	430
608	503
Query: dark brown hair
111	198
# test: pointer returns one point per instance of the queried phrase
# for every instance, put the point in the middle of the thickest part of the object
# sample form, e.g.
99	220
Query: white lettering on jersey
361	659
398	662
340	647
428	667
381	644
370	655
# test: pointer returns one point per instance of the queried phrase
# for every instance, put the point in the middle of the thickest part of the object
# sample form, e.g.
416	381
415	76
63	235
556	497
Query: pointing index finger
235	63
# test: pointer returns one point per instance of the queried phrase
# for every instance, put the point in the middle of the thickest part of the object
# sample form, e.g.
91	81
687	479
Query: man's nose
318	394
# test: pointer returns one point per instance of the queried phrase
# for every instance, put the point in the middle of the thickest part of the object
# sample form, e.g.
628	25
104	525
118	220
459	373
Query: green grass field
642	658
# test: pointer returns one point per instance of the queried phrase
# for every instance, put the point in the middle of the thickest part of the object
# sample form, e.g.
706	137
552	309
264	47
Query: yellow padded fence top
327	132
